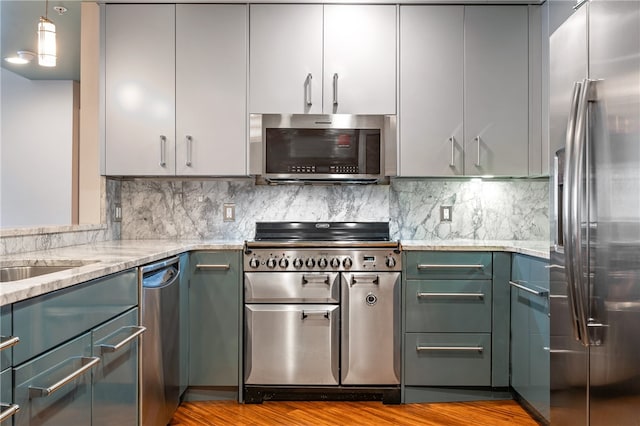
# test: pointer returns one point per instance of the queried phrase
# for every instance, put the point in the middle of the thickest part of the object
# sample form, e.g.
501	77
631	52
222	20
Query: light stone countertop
101	259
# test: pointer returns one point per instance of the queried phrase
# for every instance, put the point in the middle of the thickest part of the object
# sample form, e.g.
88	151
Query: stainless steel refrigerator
595	259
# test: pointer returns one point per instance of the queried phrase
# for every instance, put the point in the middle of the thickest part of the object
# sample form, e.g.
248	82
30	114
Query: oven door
292	344
291	287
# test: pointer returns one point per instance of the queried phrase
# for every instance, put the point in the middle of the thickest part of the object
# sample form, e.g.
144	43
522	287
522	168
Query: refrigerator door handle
575	207
567	217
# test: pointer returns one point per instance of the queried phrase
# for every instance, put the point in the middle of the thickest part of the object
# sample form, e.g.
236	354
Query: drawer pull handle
450	295
137	331
451	348
306	279
213	267
305	314
8	410
87	364
437	266
365	279
539	293
7	342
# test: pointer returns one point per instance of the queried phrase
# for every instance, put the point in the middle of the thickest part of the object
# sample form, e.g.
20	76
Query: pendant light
46	40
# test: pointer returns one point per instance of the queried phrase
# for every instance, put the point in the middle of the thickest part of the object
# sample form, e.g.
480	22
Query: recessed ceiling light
21	57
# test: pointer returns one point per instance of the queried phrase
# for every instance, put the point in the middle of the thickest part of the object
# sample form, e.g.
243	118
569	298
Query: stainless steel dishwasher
160	365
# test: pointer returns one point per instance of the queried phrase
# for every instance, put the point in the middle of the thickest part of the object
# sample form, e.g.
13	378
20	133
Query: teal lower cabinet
7	407
44	394
115	378
455	344
530	333
7	341
184	322
215	296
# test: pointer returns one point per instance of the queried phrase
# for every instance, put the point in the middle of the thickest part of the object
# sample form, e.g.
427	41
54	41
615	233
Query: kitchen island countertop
104	258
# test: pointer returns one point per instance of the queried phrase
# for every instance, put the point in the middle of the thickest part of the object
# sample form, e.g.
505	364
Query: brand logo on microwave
323	225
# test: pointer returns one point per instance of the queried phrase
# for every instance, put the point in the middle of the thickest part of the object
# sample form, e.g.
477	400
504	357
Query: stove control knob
323	262
283	263
390	261
347	262
254	262
335	262
310	263
297	263
271	262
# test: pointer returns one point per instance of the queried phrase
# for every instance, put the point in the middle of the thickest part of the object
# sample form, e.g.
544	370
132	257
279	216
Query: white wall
35	151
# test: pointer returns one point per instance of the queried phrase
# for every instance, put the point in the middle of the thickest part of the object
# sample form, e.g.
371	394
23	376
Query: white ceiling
18	26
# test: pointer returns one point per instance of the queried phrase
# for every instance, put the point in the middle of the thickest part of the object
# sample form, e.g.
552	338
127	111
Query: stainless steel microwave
336	148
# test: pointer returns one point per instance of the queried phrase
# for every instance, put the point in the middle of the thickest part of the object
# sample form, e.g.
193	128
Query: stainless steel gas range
322	312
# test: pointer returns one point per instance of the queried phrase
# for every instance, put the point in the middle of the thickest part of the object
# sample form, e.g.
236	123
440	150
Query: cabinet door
115	378
431	98
140	89
285	58
496	90
214	302
359	59
211	89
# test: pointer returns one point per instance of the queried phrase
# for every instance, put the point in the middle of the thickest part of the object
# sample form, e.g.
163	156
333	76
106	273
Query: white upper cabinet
496	89
359	59
140	90
464	90
175	78
431	91
291	43
211	89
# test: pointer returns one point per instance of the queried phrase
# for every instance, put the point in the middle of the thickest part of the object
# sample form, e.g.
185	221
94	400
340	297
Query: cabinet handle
189	150
370	279
436	266
421	295
163	148
88	363
305	314
137	331
306	279
8	410
307	94
540	293
477	139
335	89
7	342
450	348
453	152
213	267
553	266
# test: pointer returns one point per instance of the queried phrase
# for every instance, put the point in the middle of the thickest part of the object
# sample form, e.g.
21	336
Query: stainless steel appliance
322	312
323	148
595	260
159	367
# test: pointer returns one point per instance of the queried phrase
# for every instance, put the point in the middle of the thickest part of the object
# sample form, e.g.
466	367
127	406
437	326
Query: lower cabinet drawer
446	306
7	408
448	359
55	388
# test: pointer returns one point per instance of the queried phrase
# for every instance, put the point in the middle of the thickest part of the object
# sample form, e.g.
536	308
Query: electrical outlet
446	213
117	212
229	212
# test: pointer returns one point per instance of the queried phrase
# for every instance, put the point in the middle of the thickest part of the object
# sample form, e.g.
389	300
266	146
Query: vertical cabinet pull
335	89
477	139
307	92
453	151
189	150
163	149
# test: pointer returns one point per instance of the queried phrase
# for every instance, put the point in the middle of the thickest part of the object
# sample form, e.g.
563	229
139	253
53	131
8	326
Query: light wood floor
489	413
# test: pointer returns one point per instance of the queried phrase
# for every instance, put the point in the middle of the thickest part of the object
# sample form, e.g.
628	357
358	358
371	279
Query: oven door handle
306	279
365	279
305	314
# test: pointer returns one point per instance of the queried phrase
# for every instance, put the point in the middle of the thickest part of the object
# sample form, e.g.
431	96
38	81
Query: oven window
323	151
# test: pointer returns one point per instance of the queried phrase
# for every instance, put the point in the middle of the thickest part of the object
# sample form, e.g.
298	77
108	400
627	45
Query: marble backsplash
481	210
22	240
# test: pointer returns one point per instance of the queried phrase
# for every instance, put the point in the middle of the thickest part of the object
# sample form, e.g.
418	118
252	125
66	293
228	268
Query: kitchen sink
22	272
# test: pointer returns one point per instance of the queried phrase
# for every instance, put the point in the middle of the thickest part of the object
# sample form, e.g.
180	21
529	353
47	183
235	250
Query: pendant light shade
46	43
